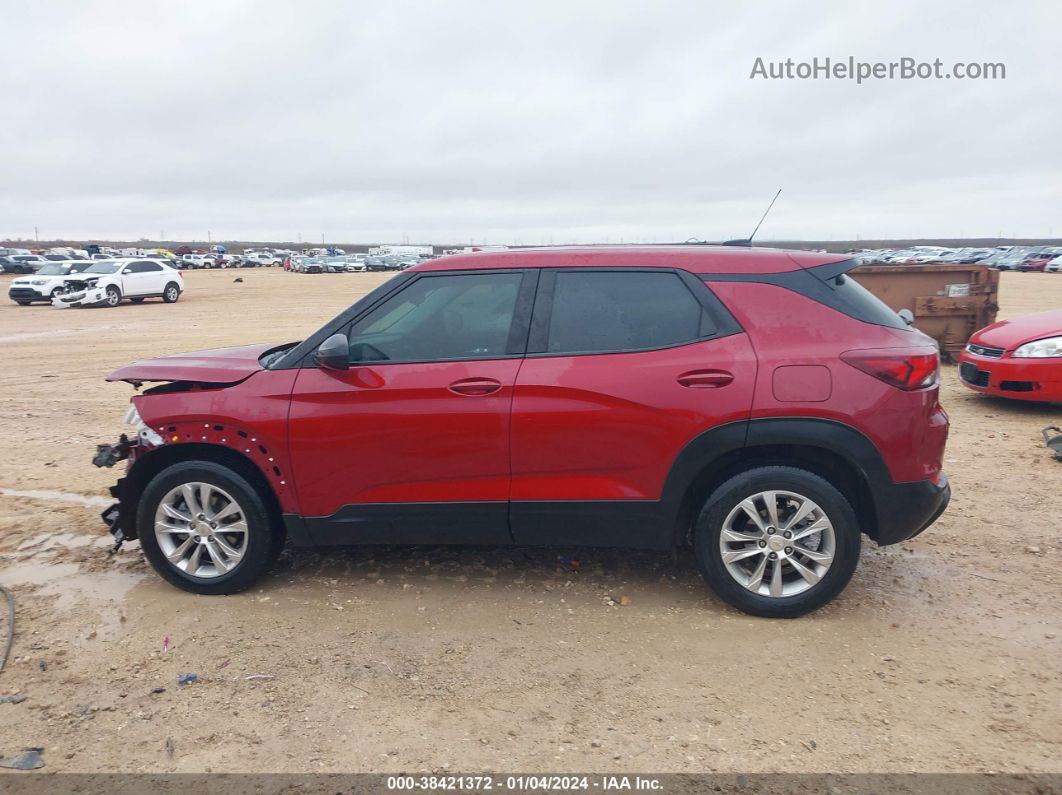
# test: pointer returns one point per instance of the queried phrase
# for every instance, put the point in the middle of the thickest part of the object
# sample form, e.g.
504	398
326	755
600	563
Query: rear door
624	368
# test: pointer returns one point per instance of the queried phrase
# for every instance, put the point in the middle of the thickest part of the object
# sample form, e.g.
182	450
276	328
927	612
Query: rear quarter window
862	303
829	285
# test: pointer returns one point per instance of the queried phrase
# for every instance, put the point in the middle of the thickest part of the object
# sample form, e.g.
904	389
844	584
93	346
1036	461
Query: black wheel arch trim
890	512
147	465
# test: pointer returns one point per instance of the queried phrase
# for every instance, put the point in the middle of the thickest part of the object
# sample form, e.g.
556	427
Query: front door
411	444
141	278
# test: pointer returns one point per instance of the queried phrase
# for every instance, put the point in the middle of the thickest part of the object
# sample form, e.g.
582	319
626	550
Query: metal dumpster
949	302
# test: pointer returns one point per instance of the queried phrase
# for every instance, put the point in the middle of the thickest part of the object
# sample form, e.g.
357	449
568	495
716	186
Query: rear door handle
705	379
475	386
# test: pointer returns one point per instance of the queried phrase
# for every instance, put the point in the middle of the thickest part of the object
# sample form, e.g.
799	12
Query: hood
1011	333
80	276
217	366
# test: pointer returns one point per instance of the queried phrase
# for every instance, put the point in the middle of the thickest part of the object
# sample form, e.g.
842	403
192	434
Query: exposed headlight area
143	432
1048	348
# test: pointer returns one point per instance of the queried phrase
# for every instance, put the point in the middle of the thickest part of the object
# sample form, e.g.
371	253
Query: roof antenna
748	242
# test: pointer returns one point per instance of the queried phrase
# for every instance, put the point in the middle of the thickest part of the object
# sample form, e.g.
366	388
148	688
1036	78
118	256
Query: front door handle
705	379
475	386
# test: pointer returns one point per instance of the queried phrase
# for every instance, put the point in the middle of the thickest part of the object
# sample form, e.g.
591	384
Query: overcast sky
529	122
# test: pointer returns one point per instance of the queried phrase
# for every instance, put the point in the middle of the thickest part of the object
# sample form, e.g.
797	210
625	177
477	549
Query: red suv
757	404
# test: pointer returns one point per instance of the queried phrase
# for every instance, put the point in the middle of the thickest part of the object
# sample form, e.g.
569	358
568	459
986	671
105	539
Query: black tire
23	303
729	496
137	300
171	293
114	296
263	543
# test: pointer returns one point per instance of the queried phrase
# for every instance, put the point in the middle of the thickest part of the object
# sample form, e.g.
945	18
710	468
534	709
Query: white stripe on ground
58	496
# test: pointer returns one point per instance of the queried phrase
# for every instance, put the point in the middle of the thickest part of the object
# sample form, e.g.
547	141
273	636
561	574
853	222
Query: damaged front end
107	455
188	414
80	293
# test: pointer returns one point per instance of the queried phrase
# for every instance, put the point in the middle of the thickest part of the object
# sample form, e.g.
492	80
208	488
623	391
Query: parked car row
350	263
1004	258
30	263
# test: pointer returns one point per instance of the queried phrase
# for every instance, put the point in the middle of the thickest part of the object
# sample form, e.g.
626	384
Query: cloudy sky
529	122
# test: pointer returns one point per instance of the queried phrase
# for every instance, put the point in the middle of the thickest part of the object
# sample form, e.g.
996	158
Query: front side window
609	312
437	318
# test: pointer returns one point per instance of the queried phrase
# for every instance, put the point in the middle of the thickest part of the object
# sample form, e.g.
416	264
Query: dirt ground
944	654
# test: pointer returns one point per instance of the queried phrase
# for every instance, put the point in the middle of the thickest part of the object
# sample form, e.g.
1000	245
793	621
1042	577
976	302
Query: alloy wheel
777	543
201	530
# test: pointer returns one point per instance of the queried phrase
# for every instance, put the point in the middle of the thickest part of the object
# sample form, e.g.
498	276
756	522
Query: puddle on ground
58	496
69	584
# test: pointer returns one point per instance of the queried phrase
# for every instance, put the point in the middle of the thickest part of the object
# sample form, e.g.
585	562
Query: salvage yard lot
944	654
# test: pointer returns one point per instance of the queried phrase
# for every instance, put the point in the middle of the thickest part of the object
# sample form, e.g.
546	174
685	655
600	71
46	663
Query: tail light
905	371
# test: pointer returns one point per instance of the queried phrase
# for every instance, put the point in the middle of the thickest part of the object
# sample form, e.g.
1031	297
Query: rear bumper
909	508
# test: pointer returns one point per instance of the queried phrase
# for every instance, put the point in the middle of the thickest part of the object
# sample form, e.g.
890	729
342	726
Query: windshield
103	267
54	269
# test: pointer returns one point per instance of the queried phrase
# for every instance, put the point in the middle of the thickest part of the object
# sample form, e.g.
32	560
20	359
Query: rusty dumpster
949	302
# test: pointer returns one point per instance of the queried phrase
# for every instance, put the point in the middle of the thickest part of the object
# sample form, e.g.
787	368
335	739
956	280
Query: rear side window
606	311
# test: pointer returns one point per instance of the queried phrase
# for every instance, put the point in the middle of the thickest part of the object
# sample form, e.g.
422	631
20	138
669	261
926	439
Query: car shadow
502	565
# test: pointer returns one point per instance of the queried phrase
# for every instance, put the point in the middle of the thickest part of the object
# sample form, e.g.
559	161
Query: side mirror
907	316
333	353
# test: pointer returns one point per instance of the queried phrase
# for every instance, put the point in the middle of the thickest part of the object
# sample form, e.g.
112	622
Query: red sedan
1019	358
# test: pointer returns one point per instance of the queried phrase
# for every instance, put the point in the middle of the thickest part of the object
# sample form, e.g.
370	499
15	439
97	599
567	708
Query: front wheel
114	296
204	528
777	542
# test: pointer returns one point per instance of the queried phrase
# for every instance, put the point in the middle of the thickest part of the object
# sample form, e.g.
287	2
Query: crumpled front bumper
125	449
93	296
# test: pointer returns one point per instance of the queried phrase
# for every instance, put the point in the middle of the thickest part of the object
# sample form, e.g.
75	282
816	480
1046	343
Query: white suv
263	258
46	283
107	282
194	261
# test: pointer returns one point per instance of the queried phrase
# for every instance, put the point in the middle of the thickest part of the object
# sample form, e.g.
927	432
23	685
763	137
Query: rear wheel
114	296
23	303
204	528
777	541
171	293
